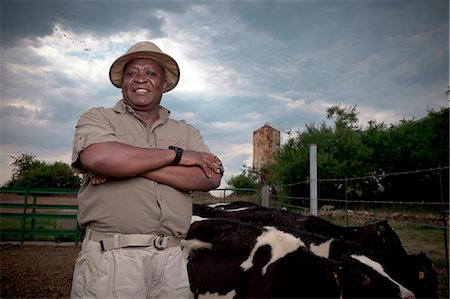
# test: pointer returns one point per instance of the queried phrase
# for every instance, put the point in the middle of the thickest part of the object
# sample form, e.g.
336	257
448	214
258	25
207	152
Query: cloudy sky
243	64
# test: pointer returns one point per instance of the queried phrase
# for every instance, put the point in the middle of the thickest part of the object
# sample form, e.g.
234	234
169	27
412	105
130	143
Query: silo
266	141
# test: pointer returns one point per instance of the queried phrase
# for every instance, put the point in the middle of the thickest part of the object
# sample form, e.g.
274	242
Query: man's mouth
141	90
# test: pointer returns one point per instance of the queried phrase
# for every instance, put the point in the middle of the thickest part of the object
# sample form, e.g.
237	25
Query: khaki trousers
131	272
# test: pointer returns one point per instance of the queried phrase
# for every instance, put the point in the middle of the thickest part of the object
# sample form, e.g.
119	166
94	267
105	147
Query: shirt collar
121	107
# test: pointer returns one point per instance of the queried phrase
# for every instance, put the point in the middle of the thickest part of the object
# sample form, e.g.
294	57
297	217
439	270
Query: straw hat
150	51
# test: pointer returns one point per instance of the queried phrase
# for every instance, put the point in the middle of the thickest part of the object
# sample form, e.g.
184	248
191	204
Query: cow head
380	237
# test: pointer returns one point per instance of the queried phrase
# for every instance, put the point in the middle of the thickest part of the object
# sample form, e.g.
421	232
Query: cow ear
383	223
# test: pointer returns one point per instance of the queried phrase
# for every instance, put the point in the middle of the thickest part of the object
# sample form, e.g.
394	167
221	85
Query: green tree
346	150
411	145
29	172
344	117
246	179
340	154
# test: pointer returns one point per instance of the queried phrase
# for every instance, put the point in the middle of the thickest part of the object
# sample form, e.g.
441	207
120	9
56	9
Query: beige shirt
135	205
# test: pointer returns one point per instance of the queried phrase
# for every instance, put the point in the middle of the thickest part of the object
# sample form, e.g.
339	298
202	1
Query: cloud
242	64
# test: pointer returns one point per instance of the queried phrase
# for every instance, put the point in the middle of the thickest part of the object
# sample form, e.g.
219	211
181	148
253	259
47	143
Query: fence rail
29	210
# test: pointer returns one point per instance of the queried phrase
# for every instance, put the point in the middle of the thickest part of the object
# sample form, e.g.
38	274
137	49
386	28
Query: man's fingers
216	164
98	179
207	161
206	169
218	167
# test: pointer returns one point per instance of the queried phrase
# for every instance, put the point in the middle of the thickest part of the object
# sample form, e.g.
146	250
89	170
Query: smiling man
138	166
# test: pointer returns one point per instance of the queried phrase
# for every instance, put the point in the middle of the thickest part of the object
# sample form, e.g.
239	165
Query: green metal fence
27	208
28	211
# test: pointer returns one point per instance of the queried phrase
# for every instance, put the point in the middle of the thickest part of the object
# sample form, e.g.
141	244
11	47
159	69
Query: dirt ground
22	277
45	271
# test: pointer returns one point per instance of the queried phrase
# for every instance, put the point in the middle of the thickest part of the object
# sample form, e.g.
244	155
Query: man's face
143	84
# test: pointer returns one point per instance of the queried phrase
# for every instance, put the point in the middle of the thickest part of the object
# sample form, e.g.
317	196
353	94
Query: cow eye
364	279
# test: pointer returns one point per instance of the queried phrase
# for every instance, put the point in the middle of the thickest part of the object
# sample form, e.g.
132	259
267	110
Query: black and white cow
377	241
377	236
229	258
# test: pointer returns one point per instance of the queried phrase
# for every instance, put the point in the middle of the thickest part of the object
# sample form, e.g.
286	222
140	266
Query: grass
416	238
420	238
40	224
17	223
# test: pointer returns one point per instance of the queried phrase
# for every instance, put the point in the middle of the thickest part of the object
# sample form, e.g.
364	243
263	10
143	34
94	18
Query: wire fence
416	196
374	189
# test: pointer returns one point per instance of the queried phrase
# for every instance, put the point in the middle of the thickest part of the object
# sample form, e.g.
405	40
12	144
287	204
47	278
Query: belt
110	241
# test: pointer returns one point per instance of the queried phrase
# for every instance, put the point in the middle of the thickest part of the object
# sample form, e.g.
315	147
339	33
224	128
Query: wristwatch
178	154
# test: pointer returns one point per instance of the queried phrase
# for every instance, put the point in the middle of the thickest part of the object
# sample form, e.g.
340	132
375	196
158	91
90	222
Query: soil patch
36	271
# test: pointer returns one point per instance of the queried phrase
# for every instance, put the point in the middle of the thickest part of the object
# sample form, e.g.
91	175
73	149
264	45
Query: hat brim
168	63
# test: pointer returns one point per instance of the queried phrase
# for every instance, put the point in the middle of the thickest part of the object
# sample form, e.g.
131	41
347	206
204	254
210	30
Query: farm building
266	142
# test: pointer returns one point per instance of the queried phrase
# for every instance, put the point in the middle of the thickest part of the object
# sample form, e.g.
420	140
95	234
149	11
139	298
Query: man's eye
129	73
151	73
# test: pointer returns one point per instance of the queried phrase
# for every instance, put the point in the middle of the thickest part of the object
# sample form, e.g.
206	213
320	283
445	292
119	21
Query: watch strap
178	154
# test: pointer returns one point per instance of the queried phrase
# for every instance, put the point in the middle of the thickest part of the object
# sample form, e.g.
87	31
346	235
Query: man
138	166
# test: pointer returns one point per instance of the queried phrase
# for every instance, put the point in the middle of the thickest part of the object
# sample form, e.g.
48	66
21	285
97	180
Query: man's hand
206	161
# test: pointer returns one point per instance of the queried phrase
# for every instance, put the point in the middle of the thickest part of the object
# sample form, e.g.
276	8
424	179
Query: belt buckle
160	242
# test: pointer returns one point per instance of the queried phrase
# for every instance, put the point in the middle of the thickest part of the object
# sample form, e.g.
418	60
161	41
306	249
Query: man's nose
141	78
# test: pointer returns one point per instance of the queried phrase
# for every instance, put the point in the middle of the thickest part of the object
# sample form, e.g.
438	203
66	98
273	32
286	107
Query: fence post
313	179
265	194
346	202
444	220
24	217
33	211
